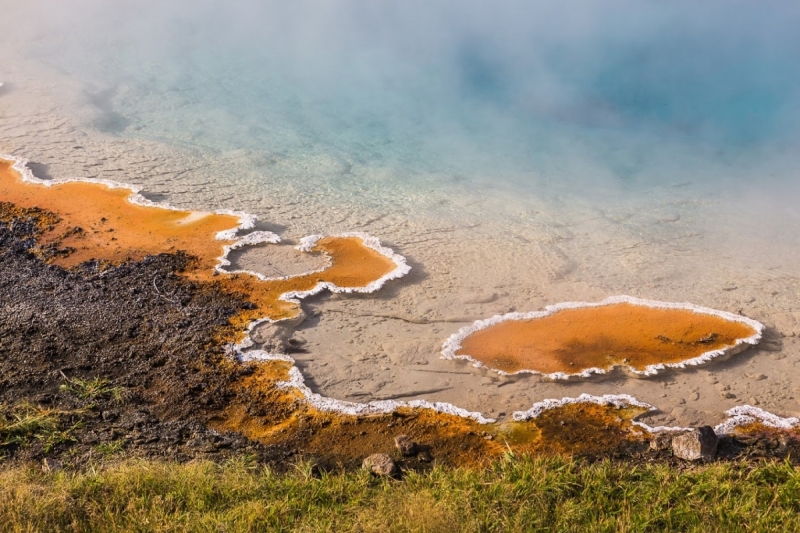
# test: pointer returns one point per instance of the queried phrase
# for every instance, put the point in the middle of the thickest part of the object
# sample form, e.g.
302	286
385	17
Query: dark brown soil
136	324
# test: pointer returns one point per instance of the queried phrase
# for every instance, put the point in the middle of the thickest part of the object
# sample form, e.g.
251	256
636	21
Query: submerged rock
699	444
380	464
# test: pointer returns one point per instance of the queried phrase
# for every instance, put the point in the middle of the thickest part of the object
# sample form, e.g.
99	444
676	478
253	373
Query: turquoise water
513	98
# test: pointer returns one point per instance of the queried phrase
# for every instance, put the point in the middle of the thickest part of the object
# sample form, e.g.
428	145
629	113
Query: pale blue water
525	97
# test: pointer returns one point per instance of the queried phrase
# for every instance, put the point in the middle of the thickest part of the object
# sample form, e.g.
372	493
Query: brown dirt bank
136	324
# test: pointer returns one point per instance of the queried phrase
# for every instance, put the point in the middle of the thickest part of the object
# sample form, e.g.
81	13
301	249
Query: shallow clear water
516	97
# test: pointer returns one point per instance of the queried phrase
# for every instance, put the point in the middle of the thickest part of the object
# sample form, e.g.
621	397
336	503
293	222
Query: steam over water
527	94
538	151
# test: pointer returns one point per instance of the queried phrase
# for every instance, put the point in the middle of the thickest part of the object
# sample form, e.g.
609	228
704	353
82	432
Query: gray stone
700	444
661	441
380	464
405	445
52	465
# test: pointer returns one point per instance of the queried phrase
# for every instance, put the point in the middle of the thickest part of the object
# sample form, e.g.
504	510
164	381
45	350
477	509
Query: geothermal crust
224	227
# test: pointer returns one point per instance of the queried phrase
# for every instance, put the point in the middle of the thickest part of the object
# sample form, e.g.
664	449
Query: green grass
517	494
93	389
24	423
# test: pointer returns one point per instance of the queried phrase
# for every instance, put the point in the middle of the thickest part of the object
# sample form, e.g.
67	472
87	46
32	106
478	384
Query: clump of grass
24	423
93	389
519	494
110	448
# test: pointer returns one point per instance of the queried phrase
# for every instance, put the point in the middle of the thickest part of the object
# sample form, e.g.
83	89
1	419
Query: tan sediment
95	222
573	340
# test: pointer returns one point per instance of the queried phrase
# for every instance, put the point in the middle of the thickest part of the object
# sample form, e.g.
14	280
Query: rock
405	445
661	441
51	465
380	464
698	444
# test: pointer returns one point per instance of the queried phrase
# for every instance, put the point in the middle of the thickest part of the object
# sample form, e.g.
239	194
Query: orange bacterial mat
574	340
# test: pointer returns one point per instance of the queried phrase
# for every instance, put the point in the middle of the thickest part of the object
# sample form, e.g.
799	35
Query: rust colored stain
759	429
95	222
578	428
99	223
263	412
573	340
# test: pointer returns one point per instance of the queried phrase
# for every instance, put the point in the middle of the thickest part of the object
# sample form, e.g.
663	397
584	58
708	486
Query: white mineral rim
453	343
747	414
